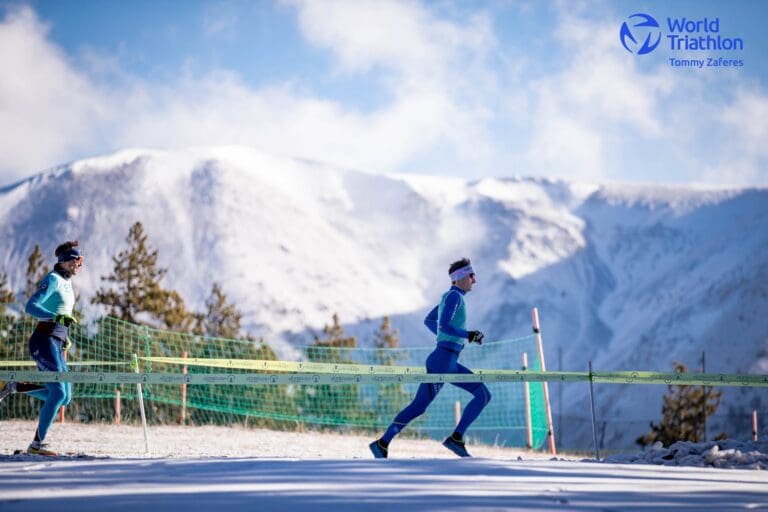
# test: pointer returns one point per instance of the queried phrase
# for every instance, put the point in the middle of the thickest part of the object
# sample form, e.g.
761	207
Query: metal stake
592	403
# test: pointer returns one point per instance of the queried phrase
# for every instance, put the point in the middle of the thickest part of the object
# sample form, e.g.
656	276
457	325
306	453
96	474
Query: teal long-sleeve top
448	319
54	295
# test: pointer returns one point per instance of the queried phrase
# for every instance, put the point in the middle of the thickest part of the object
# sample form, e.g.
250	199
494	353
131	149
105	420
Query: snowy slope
628	276
219	468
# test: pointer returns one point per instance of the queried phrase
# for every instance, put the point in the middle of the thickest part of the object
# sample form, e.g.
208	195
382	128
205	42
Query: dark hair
456	265
65	247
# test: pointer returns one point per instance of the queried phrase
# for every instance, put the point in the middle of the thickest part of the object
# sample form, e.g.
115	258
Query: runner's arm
34	307
431	320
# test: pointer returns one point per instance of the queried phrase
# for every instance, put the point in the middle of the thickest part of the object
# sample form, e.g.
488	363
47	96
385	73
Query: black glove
64	319
476	337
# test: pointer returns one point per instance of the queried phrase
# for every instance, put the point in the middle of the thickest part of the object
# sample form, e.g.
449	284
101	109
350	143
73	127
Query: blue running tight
46	351
442	360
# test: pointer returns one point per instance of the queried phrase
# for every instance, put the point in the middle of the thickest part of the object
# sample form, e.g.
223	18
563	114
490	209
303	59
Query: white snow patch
727	453
219	468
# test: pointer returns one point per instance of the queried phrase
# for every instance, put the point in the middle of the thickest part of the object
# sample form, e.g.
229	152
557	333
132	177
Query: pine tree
6	295
14	339
391	397
334	336
386	336
137	278
36	270
331	404
683	413
220	319
173	312
221	324
273	404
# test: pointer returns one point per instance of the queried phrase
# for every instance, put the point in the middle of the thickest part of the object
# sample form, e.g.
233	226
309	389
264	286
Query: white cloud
612	116
219	19
747	116
47	108
453	95
222	110
398	35
58	111
599	93
565	146
431	66
740	154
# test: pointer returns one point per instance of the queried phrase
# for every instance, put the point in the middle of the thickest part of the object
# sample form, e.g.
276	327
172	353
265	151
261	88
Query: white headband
461	273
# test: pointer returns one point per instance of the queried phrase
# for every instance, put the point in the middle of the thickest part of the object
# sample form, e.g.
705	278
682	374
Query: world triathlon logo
640	27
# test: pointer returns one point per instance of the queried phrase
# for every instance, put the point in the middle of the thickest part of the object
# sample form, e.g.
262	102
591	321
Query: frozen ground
207	468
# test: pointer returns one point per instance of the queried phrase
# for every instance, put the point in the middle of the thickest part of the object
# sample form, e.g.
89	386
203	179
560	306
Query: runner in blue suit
52	305
447	320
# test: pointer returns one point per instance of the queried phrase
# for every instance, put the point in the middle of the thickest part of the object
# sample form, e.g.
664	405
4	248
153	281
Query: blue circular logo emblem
640	27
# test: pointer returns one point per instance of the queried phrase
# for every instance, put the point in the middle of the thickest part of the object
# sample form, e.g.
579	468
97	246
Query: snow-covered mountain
628	276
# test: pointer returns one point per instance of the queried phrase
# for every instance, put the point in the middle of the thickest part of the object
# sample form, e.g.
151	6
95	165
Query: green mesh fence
367	407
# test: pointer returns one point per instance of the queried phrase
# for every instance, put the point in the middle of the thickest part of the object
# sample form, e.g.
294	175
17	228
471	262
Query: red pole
184	394
117	407
754	425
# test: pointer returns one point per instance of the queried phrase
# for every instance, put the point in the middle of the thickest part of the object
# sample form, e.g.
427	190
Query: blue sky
471	89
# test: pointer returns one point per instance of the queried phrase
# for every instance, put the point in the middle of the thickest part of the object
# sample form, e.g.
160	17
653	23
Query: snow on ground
729	453
206	468
209	441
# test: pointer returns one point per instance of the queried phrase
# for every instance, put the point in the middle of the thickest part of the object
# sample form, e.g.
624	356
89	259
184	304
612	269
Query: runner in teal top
448	322
52	305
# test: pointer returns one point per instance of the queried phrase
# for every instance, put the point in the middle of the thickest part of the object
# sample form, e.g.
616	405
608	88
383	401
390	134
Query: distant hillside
628	276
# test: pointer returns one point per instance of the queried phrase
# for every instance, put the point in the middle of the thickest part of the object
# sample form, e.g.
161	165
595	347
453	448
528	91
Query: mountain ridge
629	276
